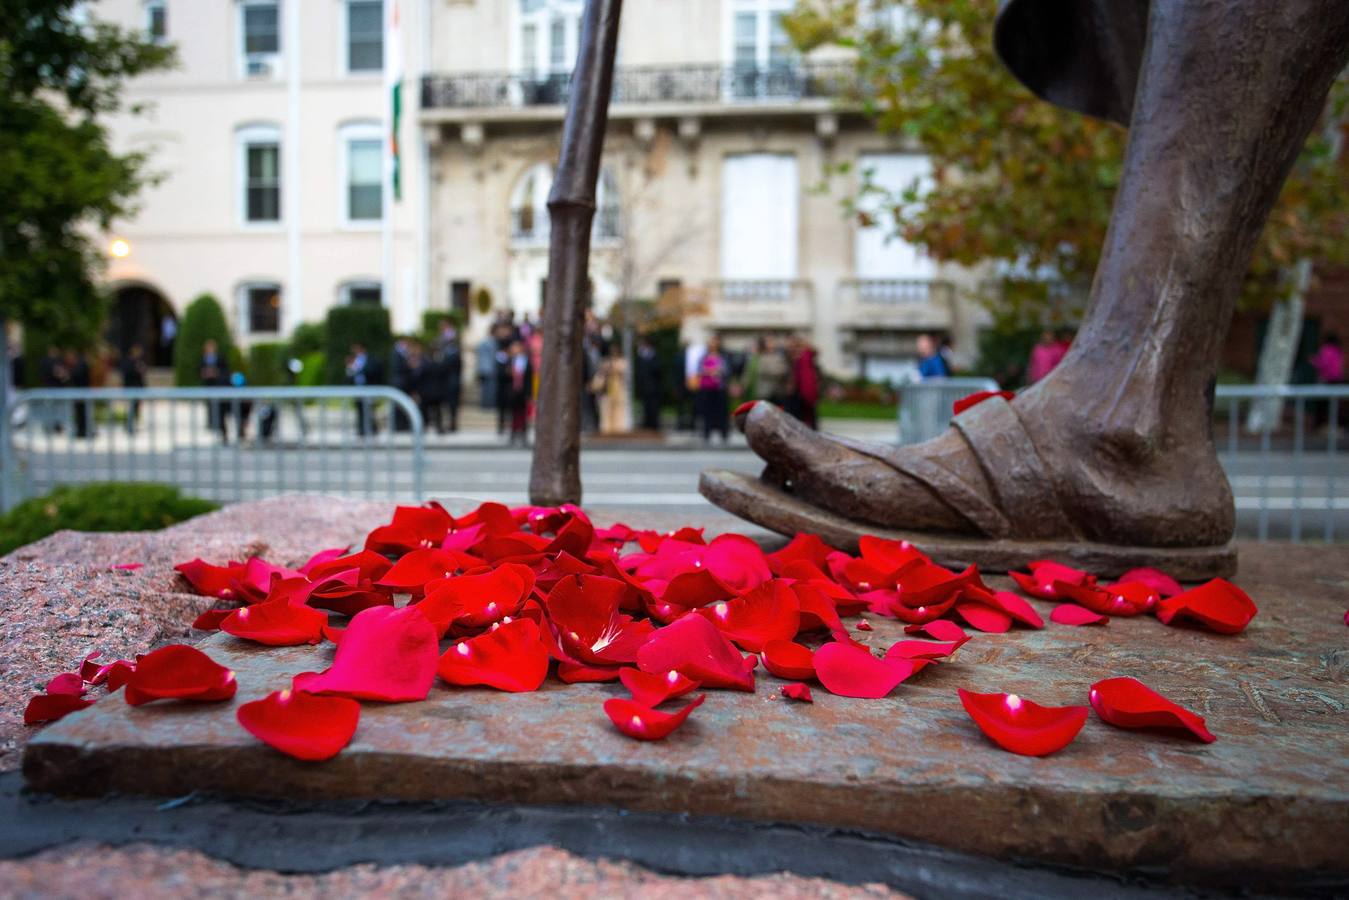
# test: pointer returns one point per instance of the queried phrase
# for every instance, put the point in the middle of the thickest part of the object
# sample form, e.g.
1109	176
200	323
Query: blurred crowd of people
782	371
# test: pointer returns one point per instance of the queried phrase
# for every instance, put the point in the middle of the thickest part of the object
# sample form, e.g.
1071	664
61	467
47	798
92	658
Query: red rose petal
584	610
179	672
696	588
1162	583
411	573
1072	614
385	654
1005	602
864	625
571	672
127	567
922	649
117	674
743	408
888	555
797	692
276	624
818	609
694	647
412	528
323	556
67	683
769	612
477	598
737	562
1218	605
941	629
210	619
1128	703
644	724
787	659
803	547
369	566
1022	726
212	581
924	584
1043	573
302	725
509	657
978	397
984	618
1129	599
850	671
651	689
52	707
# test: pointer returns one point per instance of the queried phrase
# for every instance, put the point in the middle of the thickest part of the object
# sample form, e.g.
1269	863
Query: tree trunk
555	475
1278	353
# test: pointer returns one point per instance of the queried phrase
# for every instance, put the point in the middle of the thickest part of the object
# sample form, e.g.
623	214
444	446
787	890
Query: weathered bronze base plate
775	509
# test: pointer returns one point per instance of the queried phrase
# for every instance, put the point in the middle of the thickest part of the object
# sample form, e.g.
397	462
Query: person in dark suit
213	371
650	384
363	369
132	369
519	389
451	372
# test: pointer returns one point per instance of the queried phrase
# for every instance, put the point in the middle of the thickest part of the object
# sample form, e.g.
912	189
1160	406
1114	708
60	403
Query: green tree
59	177
202	320
1016	180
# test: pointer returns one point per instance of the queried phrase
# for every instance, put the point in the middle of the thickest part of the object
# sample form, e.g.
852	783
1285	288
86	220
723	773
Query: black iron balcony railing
665	84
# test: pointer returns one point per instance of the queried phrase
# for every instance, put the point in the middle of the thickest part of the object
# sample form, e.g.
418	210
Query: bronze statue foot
1009	482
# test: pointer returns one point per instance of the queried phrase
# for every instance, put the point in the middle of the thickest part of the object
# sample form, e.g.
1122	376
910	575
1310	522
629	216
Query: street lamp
119	248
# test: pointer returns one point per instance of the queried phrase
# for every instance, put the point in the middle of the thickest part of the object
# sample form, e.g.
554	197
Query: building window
365	35
608	225
260	165
261	303
362	147
156	20
759	237
548	33
529	205
760	51
260	26
459	298
362	293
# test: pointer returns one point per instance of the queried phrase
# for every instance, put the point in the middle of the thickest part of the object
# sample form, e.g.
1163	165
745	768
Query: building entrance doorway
141	315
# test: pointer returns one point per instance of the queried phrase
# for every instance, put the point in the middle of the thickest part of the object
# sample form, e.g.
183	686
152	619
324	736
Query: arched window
529	205
608	216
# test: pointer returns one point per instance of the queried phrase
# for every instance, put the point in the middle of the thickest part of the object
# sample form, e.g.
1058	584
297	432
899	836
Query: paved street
664	479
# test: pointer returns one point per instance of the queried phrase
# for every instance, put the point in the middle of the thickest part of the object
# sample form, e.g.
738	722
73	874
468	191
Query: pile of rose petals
505	598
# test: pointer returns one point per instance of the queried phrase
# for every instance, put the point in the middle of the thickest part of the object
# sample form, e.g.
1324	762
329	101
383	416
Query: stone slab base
1269	800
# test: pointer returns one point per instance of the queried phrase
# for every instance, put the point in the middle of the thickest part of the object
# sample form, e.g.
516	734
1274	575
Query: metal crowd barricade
1285	475
224	444
925	406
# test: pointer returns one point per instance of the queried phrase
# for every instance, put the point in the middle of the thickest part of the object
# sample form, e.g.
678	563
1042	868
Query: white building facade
269	141
714	180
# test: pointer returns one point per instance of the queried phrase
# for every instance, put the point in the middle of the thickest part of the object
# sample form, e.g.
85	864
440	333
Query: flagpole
392	60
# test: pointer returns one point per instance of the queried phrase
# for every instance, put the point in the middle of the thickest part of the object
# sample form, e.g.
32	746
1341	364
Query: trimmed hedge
98	506
202	320
347	325
308	337
267	364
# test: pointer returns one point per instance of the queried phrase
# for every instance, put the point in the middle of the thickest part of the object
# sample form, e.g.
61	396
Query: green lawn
830	409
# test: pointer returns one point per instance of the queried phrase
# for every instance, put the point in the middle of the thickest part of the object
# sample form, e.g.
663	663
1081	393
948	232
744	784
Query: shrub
267	364
203	319
313	370
308	337
106	506
368	325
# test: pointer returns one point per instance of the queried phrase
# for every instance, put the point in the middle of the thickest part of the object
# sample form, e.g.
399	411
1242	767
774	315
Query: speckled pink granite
149	873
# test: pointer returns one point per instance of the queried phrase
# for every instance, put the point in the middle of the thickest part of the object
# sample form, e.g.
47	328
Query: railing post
9	482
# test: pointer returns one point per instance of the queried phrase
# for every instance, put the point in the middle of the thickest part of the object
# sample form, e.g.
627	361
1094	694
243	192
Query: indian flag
393	81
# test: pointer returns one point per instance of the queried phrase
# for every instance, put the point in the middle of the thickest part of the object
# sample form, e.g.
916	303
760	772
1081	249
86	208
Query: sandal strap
965	499
1023	490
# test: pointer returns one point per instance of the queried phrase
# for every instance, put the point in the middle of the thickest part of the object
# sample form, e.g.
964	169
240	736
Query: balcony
641	91
771	304
899	304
